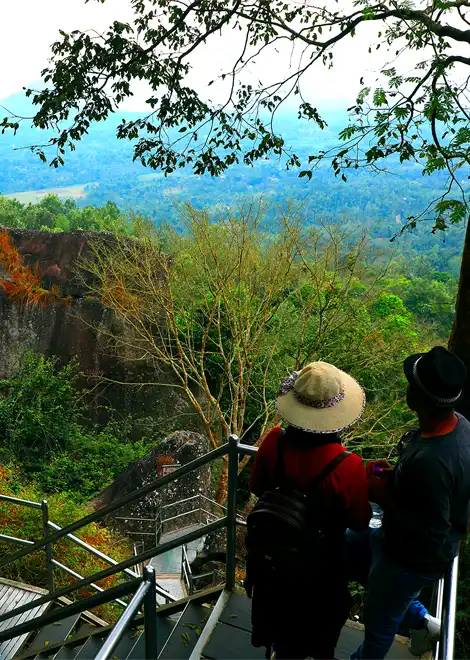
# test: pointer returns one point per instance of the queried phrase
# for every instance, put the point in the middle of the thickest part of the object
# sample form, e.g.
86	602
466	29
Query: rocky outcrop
180	447
77	332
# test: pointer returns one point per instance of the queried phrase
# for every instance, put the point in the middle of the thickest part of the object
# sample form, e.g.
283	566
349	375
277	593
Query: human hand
376	490
379	467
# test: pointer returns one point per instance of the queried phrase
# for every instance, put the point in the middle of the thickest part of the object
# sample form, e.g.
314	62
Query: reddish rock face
76	331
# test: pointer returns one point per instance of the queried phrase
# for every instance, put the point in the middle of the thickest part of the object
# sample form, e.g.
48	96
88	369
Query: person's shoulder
463	426
351	461
271	438
462	438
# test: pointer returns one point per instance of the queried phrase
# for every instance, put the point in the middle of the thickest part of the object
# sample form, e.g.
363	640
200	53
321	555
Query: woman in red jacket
303	618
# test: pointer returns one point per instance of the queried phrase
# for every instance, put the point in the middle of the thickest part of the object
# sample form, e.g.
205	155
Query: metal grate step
185	634
56	632
90	648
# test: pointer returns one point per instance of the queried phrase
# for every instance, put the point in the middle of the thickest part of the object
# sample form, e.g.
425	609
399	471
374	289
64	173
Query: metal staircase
213	623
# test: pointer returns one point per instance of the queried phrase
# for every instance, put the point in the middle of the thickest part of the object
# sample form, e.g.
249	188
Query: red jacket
348	482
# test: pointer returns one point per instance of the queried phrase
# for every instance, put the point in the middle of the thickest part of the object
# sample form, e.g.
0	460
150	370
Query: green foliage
91	462
40	414
38	409
432	300
53	214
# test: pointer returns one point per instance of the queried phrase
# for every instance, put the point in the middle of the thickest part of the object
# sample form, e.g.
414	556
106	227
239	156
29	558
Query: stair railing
446	611
233	448
50	561
145	595
44	508
186	572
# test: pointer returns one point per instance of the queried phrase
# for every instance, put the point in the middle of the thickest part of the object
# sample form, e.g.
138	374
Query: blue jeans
392	592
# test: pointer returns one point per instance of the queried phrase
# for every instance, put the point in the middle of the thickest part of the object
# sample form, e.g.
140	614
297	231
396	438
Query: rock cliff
73	331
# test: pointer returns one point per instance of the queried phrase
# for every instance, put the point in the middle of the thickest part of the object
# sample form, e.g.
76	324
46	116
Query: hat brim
324	420
408	365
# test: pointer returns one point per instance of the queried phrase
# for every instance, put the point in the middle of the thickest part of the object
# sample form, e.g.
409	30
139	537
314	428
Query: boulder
173	500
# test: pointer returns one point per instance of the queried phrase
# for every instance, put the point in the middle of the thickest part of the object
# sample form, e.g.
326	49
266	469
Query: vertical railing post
449	612
49	566
150	616
232	512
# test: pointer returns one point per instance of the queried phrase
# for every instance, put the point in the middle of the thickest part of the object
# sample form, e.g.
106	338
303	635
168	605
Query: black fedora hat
438	374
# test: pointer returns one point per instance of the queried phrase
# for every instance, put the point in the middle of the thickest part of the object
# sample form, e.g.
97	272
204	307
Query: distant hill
19	103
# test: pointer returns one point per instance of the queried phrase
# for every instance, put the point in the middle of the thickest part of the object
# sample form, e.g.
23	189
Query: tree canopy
417	110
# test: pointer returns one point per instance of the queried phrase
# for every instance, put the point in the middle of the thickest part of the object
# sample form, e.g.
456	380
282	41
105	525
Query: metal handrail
160	522
43	506
78	607
13	539
445	650
112	570
229	521
66	569
101	513
208	499
16	500
94	551
234	449
74	574
187	499
50	562
186	572
145	594
179	515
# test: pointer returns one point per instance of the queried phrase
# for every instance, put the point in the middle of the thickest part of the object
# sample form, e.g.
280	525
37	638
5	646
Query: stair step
90	648
86	627
125	646
67	653
184	636
55	632
164	629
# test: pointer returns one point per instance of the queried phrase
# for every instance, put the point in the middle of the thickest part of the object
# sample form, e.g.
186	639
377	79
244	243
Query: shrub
38	410
90	463
39	424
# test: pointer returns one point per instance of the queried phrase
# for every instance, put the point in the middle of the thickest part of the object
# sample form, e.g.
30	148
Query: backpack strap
327	470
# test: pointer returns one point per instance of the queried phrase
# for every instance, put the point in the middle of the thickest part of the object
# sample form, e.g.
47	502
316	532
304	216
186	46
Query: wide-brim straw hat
321	399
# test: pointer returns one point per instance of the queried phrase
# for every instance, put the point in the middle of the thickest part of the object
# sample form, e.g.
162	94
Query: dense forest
103	171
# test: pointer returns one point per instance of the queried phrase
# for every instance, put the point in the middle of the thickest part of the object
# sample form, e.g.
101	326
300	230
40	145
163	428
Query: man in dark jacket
425	500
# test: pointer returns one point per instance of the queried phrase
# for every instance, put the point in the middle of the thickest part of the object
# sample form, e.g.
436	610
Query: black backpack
284	525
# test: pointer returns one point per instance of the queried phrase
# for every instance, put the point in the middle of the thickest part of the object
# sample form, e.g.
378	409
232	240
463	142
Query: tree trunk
459	342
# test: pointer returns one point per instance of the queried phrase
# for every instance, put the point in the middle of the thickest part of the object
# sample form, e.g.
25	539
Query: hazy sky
28	27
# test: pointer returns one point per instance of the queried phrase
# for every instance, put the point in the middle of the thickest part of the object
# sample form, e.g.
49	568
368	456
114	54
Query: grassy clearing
35	196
